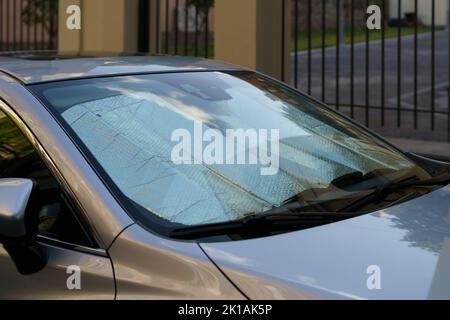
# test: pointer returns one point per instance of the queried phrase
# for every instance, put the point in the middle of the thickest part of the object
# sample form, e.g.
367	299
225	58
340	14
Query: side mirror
19	225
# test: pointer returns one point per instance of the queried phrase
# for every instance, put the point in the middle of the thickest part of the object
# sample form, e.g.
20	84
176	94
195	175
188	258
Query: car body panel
409	242
38	71
96	277
149	267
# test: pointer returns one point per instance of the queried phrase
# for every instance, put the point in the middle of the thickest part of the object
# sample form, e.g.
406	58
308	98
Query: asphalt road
424	97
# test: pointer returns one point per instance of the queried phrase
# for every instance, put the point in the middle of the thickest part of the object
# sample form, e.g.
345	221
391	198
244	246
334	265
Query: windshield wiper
344	182
269	222
286	218
382	191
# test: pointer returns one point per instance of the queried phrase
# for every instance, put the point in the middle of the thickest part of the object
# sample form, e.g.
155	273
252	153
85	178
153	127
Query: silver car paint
96	277
52	70
148	266
410	243
14	197
325	262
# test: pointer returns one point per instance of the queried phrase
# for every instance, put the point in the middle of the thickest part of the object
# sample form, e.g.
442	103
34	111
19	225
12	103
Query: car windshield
197	148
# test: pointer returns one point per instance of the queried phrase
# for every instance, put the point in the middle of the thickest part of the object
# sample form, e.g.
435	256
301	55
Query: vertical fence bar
1	25
47	28
35	29
5	25
29	33
143	25
8	48
283	43
415	63
352	59
196	32
433	60
177	2
186	26
383	63
207	33
56	29
11	27
167	28
158	25
367	64
448	98
42	22
338	42
399	64
14	22
148	26
309	45
149	34
324	8
44	5
296	44
20	26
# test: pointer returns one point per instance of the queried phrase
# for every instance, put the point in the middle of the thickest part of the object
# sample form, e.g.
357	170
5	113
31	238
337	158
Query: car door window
18	159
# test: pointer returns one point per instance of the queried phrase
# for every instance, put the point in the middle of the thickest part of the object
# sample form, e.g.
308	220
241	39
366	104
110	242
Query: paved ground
442	130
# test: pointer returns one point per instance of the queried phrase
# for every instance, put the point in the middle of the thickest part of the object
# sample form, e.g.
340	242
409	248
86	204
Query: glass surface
127	125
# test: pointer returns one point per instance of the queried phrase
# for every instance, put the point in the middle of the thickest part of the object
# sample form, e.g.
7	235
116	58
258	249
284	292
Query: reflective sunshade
134	125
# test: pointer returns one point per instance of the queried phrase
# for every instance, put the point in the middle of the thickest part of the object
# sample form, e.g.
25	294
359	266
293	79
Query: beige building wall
249	33
108	27
424	10
68	40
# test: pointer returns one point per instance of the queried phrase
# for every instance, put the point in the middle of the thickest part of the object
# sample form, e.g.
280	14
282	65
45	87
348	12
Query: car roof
31	70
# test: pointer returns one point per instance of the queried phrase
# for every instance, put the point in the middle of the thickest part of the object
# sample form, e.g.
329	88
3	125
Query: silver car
117	181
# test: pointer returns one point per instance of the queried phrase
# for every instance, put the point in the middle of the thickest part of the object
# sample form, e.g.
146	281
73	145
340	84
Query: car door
76	268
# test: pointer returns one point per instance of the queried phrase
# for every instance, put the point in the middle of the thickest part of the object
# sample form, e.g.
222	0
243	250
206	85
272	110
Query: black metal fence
28	25
395	80
184	27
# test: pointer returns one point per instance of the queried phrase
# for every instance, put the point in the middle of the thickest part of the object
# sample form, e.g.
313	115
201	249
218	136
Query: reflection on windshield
127	123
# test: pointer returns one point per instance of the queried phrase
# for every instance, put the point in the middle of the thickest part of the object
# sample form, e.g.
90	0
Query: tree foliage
202	5
43	12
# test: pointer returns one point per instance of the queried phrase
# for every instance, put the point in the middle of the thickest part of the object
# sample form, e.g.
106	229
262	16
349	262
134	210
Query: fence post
108	27
154	33
255	34
448	55
448	15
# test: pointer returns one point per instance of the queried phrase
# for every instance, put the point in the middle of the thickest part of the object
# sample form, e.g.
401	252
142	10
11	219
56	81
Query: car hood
402	252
